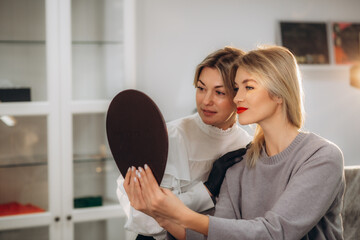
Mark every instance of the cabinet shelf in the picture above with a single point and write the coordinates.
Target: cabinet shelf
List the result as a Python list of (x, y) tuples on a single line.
[(96, 213), (97, 42), (42, 161), (20, 161), (92, 159), (31, 164), (89, 106), (39, 42), (24, 108), (25, 220)]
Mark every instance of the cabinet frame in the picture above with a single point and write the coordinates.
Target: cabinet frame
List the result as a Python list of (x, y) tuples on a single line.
[(59, 109)]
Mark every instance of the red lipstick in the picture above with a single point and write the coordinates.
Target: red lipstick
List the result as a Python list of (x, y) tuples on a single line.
[(241, 110)]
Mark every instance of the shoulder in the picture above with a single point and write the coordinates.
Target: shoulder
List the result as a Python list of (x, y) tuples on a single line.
[(182, 123), (318, 150), (181, 130), (322, 146), (235, 172)]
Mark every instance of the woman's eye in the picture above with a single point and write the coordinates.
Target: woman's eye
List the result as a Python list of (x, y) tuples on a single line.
[(249, 88), (236, 89), (220, 93), (200, 88)]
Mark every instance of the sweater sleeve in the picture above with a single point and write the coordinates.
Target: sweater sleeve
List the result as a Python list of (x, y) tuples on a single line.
[(313, 190), (224, 209)]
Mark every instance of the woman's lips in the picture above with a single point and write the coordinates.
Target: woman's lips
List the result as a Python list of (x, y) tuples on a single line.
[(208, 112), (241, 110)]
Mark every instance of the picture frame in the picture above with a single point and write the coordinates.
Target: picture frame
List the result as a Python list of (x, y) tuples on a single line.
[(308, 41), (346, 42)]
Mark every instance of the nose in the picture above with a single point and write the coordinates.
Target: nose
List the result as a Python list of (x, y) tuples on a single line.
[(239, 97), (208, 99)]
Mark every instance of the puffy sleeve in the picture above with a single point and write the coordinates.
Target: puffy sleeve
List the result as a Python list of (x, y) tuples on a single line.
[(197, 198), (192, 193), (137, 221)]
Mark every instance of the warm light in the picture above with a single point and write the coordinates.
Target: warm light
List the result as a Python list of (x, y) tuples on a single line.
[(355, 75), (8, 120)]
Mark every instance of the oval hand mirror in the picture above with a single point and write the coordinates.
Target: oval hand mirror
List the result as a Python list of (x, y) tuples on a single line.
[(137, 133)]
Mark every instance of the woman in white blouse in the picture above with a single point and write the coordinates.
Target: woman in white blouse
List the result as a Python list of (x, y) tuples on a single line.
[(195, 142)]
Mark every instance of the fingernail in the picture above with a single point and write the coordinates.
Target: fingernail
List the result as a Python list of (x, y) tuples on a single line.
[(132, 168), (146, 166), (134, 179), (128, 169), (140, 169), (138, 174)]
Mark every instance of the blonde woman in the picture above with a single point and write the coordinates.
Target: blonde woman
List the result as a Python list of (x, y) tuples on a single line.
[(291, 185)]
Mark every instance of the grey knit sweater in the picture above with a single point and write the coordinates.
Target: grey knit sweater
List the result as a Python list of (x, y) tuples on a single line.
[(296, 194)]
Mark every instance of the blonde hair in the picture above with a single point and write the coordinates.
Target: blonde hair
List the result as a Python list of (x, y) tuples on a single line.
[(279, 73), (222, 60)]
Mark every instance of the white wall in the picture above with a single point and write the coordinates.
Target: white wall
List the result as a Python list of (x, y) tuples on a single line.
[(174, 36)]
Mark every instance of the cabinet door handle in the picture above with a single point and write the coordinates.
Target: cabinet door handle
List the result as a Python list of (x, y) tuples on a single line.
[(57, 218), (68, 217)]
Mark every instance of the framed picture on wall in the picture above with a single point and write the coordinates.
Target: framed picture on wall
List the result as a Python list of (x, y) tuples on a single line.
[(308, 41), (346, 39)]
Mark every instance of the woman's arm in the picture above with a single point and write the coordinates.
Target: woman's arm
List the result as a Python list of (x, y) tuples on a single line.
[(163, 203), (131, 184)]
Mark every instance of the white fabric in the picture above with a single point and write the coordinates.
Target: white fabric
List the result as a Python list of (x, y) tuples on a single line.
[(193, 147)]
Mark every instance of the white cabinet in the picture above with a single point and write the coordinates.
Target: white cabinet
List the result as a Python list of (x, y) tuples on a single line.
[(57, 176)]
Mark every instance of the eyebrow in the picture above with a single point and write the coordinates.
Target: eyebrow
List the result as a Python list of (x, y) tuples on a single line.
[(219, 86), (249, 80)]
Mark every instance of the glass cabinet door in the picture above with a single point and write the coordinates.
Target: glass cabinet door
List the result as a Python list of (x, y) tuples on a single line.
[(22, 51), (97, 48), (23, 139), (23, 165), (95, 171)]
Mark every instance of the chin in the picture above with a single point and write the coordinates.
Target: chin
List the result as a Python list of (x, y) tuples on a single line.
[(244, 121), (207, 121)]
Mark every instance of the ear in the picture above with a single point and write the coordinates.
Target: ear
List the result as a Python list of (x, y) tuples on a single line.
[(278, 100)]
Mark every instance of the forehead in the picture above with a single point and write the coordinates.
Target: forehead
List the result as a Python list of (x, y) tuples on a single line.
[(243, 76), (210, 76)]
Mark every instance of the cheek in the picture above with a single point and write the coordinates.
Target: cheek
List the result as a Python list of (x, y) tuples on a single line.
[(227, 105), (198, 98), (266, 106)]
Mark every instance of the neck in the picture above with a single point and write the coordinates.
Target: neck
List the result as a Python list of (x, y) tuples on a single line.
[(278, 135)]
